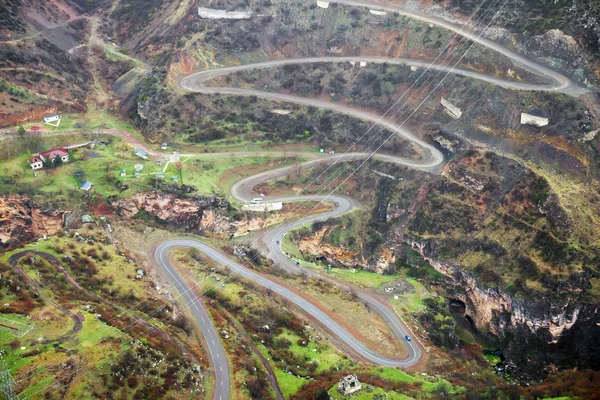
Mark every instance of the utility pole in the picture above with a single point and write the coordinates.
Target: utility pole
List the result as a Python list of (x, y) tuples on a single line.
[(7, 384)]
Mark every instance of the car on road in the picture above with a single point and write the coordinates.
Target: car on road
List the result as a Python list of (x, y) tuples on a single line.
[(408, 338)]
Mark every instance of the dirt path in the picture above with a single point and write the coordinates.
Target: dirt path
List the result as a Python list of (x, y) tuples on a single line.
[(77, 319), (270, 372), (137, 321)]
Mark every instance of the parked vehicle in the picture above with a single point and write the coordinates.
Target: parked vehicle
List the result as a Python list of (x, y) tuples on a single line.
[(257, 200)]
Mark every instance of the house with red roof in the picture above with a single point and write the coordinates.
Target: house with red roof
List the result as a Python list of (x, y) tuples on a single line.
[(37, 161)]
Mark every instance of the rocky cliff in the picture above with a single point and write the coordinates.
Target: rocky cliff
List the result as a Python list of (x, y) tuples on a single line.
[(196, 213), (536, 335), (22, 222)]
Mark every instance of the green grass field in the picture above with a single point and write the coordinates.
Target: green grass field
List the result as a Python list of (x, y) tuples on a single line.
[(217, 174), (102, 169), (93, 119), (288, 383), (364, 395)]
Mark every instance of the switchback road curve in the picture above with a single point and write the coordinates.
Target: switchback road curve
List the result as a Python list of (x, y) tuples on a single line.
[(558, 82), (431, 159), (216, 352)]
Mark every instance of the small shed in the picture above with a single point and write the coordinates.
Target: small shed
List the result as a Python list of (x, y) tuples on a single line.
[(87, 185), (164, 146), (123, 172), (175, 178), (52, 119), (140, 153), (160, 175)]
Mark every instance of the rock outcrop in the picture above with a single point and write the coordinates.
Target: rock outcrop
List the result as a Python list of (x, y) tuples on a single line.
[(189, 214), (315, 246), (21, 222), (558, 50), (197, 213), (558, 326)]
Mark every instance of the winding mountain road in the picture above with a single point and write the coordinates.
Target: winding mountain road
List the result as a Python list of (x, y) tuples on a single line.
[(430, 159), (559, 83)]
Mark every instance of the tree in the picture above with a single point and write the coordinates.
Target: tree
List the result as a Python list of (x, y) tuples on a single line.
[(21, 132), (58, 160), (47, 163)]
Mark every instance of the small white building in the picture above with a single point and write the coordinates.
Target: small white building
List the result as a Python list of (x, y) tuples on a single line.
[(36, 163), (140, 153), (52, 119), (377, 12), (211, 13), (164, 146), (451, 109), (87, 185), (528, 119)]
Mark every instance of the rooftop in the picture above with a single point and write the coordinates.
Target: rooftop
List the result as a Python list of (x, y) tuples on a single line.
[(52, 153)]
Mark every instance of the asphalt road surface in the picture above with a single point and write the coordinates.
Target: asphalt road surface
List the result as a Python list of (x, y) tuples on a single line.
[(216, 352), (431, 159), (558, 82), (563, 84)]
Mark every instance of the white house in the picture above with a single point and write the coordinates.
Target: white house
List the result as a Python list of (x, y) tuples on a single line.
[(37, 162), (52, 119)]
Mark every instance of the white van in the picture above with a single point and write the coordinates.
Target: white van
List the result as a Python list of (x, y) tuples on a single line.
[(257, 200)]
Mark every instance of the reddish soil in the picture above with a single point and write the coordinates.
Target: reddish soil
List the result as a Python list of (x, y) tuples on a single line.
[(102, 210), (34, 113)]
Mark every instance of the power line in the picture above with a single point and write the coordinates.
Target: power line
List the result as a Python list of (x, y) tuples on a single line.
[(197, 299), (7, 383)]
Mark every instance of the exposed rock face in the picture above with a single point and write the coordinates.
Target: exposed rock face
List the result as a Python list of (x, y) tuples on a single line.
[(315, 245), (385, 262), (558, 50), (197, 214), (33, 113), (557, 327), (20, 222), (189, 214)]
